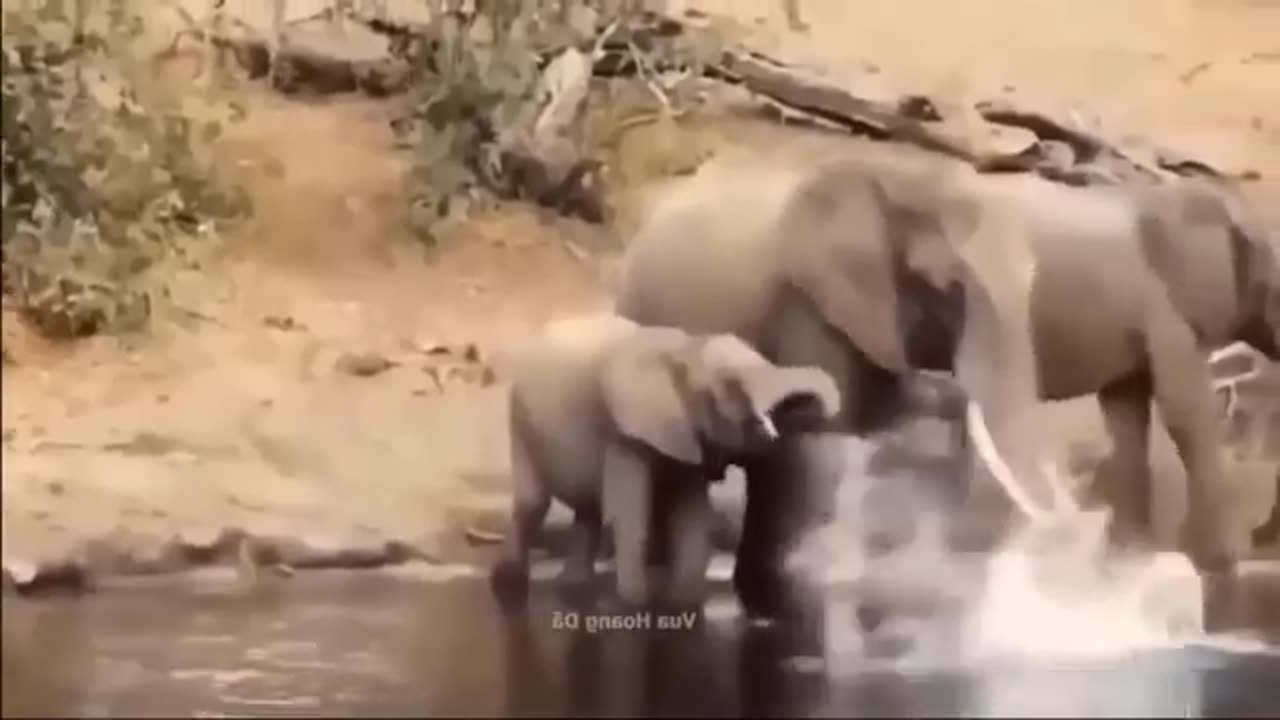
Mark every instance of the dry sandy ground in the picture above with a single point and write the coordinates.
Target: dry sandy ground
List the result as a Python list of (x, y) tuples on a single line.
[(226, 415)]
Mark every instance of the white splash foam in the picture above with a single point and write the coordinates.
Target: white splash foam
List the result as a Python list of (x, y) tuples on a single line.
[(1068, 599), (1053, 591)]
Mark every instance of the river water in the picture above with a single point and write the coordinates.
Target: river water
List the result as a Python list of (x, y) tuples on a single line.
[(385, 644)]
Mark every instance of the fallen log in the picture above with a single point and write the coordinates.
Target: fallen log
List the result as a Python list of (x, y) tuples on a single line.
[(1059, 151), (543, 161), (879, 120), (1089, 148), (544, 164)]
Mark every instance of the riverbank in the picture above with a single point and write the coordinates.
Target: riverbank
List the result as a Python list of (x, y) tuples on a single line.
[(328, 387)]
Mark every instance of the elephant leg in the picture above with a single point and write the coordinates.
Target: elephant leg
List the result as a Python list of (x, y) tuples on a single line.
[(777, 503), (789, 494), (689, 530), (580, 561), (628, 508), (1124, 478), (1183, 393), (1269, 531), (757, 568), (927, 395), (531, 500)]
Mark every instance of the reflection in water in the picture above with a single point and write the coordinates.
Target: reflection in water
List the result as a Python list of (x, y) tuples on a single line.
[(53, 634), (371, 644)]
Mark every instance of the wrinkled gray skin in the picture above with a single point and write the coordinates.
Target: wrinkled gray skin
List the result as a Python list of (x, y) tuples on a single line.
[(1135, 288), (870, 271), (628, 425)]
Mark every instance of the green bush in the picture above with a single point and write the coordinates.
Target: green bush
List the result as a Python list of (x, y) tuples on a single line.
[(104, 176), (483, 72)]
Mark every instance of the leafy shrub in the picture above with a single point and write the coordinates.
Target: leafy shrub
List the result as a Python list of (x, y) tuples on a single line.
[(484, 78), (103, 175)]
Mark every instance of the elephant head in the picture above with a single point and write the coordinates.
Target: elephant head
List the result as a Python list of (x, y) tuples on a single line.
[(743, 401), (710, 392), (881, 257)]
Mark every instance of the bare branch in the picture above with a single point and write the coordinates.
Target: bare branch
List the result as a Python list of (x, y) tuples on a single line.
[(597, 52), (650, 80)]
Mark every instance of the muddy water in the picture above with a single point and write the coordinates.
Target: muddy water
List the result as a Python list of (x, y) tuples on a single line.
[(373, 644)]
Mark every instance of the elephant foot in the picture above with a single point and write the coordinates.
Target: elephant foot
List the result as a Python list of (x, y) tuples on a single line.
[(577, 575), (1210, 552), (636, 593), (635, 605), (682, 603), (1226, 602), (577, 589), (509, 581), (776, 597), (759, 595), (671, 606)]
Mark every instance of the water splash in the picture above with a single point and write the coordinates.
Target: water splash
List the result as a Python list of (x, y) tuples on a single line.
[(1052, 591), (1056, 592)]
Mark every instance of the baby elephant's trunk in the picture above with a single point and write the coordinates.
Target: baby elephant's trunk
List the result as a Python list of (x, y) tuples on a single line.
[(792, 399)]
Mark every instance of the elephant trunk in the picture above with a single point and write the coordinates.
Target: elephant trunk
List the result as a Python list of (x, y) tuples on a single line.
[(773, 388)]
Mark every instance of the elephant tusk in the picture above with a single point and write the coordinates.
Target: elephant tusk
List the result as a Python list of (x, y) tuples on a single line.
[(986, 448), (770, 430)]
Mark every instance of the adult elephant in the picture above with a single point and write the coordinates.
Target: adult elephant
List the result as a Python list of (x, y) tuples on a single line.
[(1024, 288)]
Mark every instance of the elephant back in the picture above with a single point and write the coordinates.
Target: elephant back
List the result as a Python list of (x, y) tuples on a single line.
[(704, 258)]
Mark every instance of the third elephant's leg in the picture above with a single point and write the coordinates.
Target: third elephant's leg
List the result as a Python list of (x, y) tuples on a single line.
[(1183, 393), (1124, 480)]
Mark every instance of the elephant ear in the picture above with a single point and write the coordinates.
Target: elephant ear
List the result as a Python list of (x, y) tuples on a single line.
[(932, 216), (864, 229), (771, 388), (845, 266), (642, 395)]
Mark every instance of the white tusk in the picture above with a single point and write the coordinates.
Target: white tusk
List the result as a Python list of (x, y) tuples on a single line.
[(770, 429), (987, 451)]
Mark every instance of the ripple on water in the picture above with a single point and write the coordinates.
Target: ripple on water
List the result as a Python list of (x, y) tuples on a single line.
[(416, 648)]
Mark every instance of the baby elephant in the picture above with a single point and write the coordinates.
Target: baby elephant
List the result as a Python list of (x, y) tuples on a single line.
[(627, 425)]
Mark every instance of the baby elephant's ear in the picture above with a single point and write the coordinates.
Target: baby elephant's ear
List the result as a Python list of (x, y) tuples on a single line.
[(641, 395), (771, 387)]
